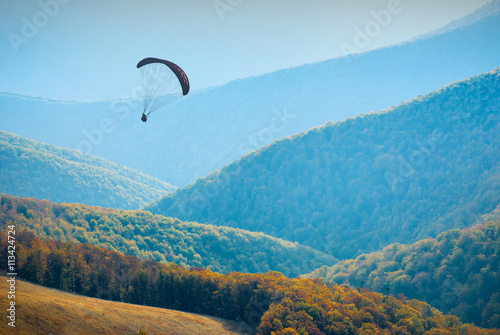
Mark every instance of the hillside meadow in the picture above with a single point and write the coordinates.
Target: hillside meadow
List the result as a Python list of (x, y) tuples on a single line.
[(41, 310)]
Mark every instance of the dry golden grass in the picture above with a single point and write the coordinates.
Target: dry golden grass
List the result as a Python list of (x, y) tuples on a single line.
[(41, 310)]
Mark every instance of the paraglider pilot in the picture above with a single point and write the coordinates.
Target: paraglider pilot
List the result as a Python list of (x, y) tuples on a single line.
[(144, 118)]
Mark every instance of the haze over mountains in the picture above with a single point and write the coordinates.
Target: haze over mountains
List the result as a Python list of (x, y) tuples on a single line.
[(32, 169), (384, 201), (350, 187), (213, 127)]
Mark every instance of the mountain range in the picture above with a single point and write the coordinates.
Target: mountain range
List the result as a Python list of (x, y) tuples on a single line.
[(210, 128), (300, 209), (355, 186)]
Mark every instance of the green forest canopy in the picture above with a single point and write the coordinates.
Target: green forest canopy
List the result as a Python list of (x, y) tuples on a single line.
[(155, 237), (355, 186)]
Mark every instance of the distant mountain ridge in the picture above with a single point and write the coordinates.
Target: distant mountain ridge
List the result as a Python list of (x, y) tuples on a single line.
[(32, 169), (210, 128), (490, 9), (351, 187)]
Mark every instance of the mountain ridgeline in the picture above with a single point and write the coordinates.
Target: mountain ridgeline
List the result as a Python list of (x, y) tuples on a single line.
[(351, 187), (457, 272), (32, 169), (148, 236), (213, 127)]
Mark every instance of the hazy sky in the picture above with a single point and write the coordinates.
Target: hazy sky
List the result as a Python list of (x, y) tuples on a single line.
[(87, 49)]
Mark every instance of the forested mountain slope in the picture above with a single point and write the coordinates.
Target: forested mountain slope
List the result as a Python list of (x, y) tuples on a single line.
[(270, 302), (33, 169), (350, 187), (210, 128), (458, 272), (148, 236)]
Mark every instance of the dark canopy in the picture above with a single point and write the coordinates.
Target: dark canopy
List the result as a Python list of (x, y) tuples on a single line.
[(181, 75)]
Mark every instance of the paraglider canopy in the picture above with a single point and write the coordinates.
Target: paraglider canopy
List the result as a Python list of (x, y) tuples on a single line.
[(163, 82)]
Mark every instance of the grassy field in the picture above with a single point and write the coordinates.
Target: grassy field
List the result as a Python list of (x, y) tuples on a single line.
[(41, 310)]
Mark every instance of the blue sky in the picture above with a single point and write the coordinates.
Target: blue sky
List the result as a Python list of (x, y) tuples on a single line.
[(87, 50)]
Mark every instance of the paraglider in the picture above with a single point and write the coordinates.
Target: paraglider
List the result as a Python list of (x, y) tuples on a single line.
[(163, 82)]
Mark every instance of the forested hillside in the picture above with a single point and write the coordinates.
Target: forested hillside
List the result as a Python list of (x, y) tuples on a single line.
[(458, 272), (148, 236), (351, 187), (213, 127), (272, 303), (33, 169)]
